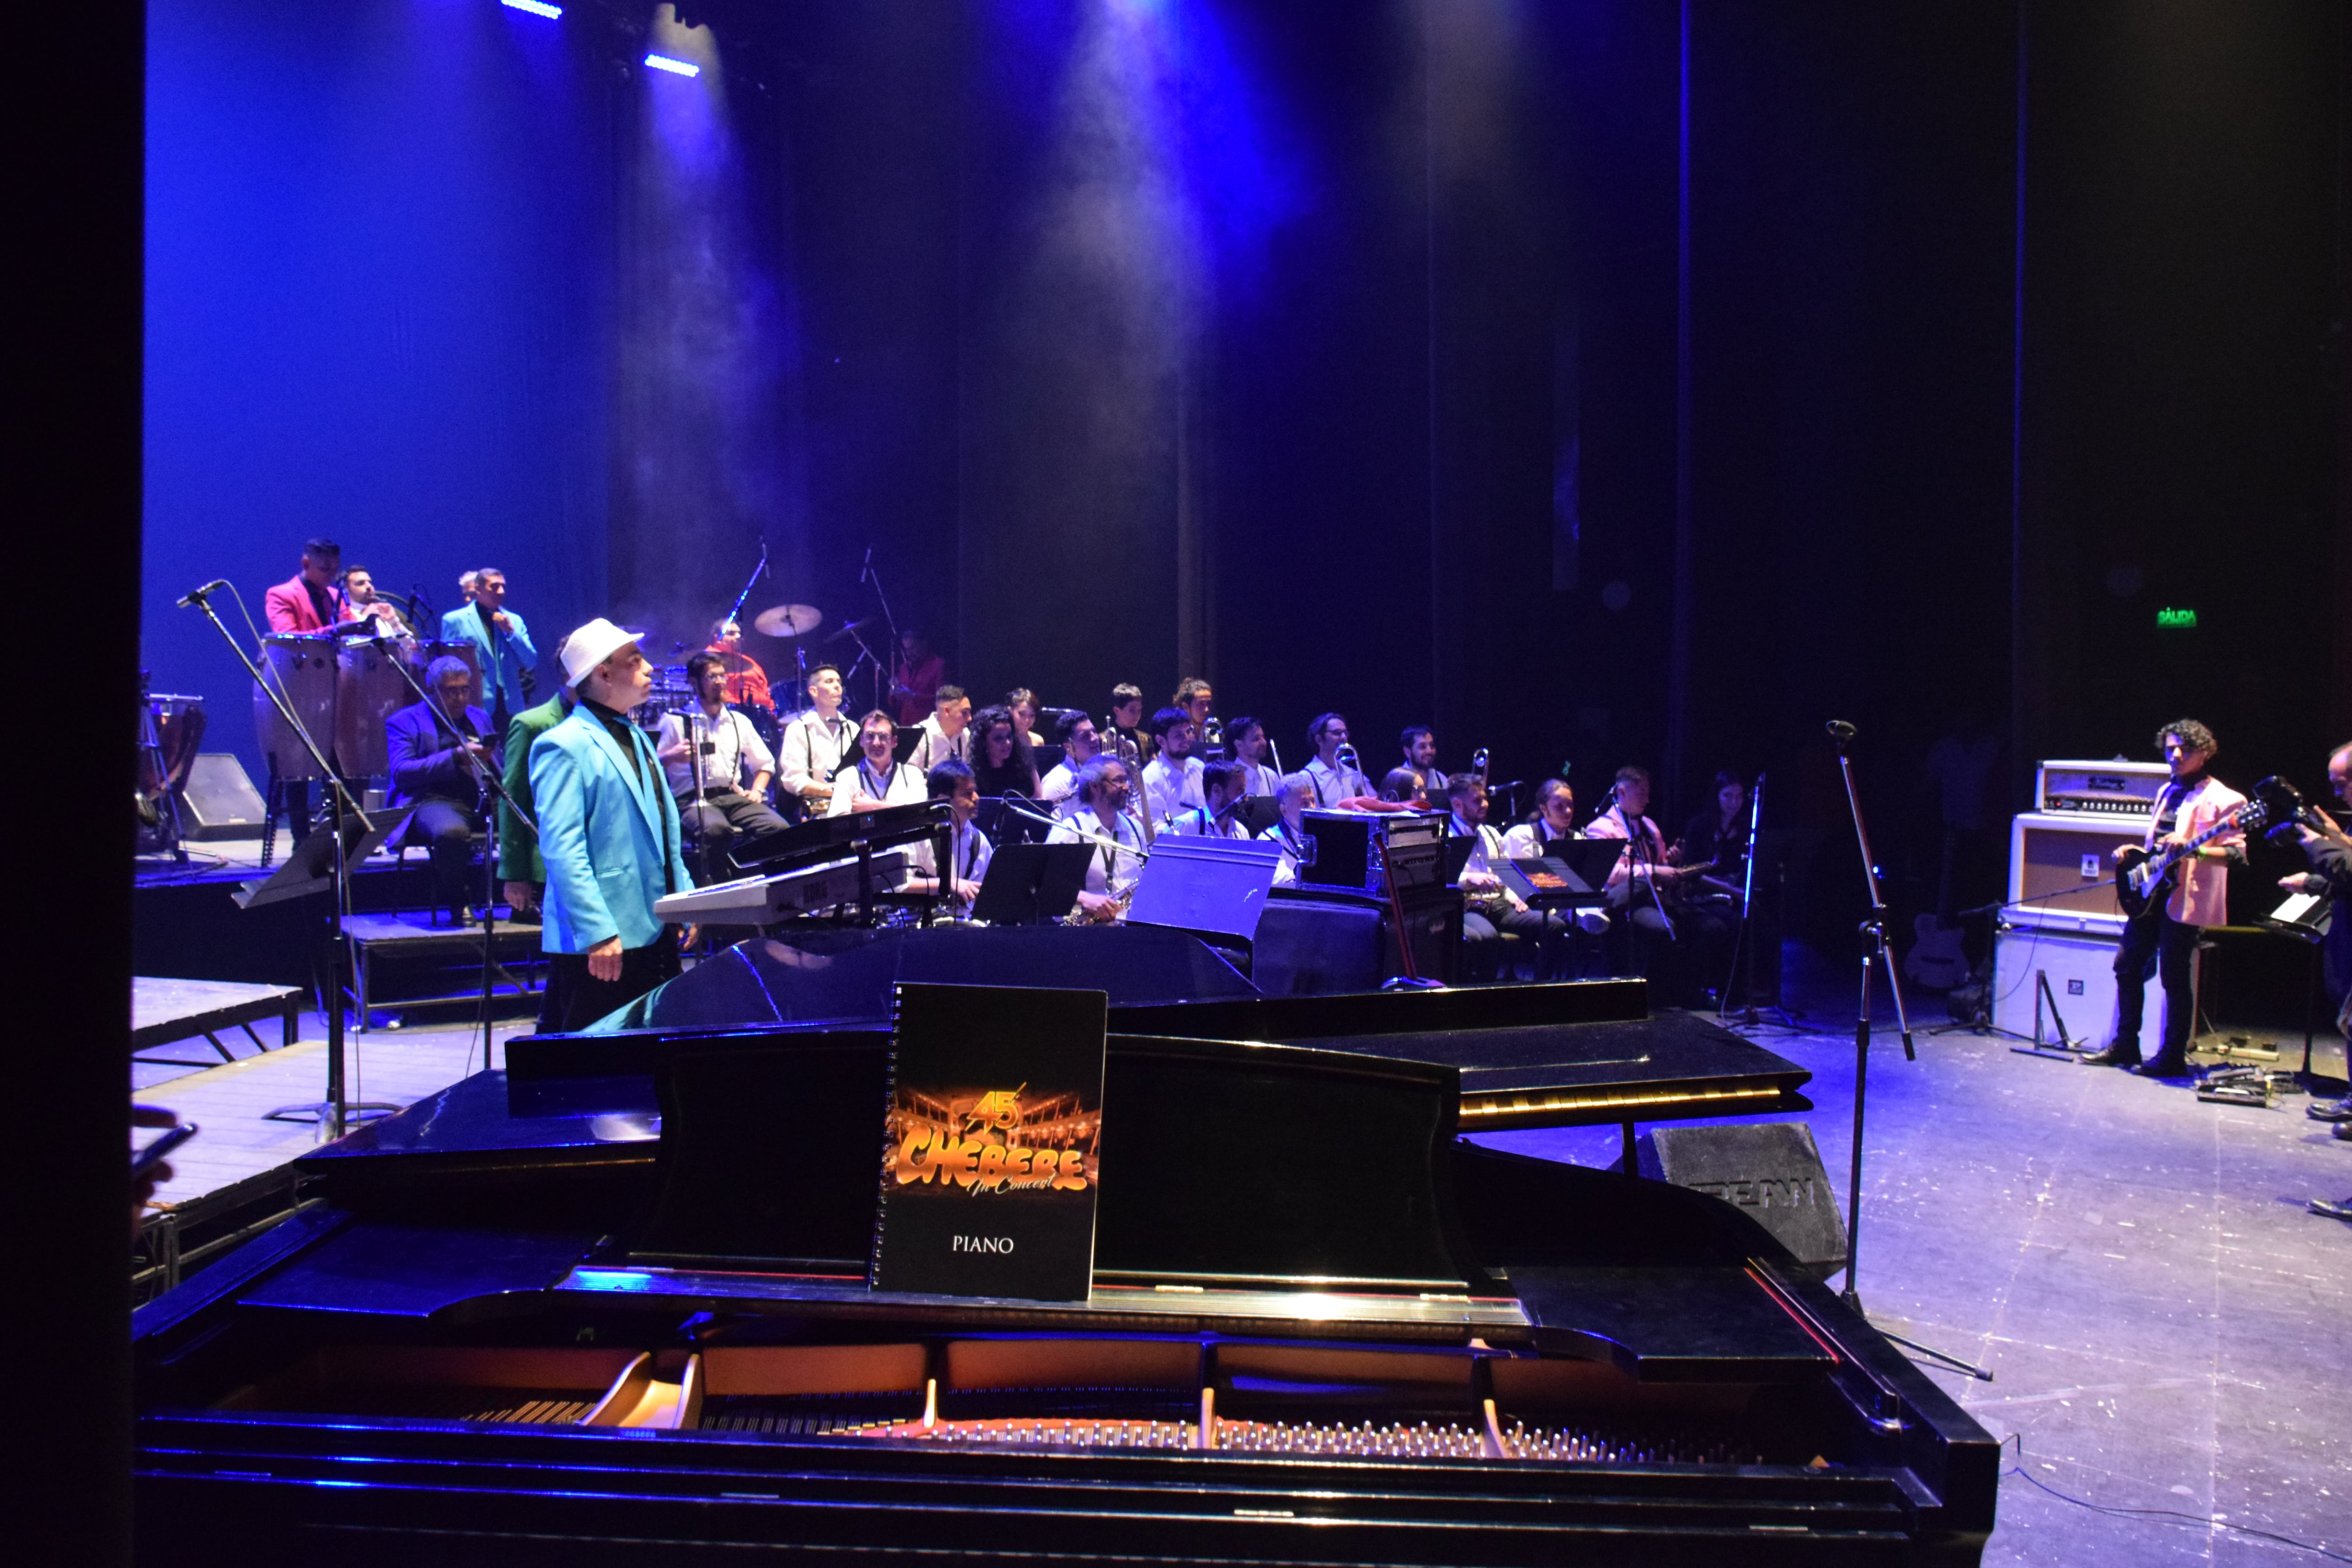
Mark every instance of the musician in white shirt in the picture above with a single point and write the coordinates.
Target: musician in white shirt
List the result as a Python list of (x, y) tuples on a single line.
[(876, 781), (1493, 909), (1420, 756), (714, 803), (946, 734), (1247, 737), (1171, 779), (1111, 869), (817, 742), (1221, 785), (1334, 780), (1554, 819), (952, 782), (1293, 795), (1081, 743)]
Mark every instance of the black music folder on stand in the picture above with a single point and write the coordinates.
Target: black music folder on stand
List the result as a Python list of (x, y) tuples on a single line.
[(1032, 884), (310, 868), (1570, 871), (989, 1147)]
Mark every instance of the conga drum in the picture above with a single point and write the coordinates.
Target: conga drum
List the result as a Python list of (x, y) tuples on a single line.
[(300, 666), (370, 689)]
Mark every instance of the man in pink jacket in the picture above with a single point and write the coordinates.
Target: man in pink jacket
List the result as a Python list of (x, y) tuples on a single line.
[(2165, 938)]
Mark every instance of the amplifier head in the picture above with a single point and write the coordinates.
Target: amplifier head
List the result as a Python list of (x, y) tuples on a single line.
[(2101, 789)]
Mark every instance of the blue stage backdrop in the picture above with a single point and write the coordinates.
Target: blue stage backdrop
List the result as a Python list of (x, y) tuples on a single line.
[(379, 308)]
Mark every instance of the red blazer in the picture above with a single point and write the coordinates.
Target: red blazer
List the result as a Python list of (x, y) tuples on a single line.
[(287, 607)]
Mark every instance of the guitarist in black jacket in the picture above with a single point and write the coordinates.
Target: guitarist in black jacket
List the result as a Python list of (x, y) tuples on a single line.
[(2193, 896)]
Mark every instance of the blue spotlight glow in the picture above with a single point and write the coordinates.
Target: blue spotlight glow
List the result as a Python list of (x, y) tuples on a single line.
[(536, 8), (675, 67)]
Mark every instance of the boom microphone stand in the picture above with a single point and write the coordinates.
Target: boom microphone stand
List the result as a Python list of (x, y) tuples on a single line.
[(490, 850), (331, 1112)]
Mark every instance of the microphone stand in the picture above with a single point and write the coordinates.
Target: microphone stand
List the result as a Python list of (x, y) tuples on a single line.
[(490, 850), (735, 611), (1874, 948), (1746, 953), (332, 1113), (866, 574)]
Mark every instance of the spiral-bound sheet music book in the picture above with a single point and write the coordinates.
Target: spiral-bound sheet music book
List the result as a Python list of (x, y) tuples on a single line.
[(990, 1161)]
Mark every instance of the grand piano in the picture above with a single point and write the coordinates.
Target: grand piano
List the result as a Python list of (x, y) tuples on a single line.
[(609, 1303)]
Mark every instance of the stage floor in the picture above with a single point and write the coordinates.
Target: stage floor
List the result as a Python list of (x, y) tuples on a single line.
[(2165, 1322)]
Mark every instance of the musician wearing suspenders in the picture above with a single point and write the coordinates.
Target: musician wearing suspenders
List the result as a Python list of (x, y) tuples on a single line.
[(817, 744), (1293, 794), (1334, 780), (876, 781), (952, 782), (705, 756), (1223, 787), (2165, 938), (1081, 743), (1103, 786)]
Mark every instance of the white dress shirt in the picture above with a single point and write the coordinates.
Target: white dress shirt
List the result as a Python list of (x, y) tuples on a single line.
[(1109, 871), (1059, 788), (722, 770), (1286, 875), (1201, 823), (972, 852), (814, 750), (1171, 785), (902, 786), (1527, 841), (1487, 850), (933, 746), (1336, 784), (1259, 779)]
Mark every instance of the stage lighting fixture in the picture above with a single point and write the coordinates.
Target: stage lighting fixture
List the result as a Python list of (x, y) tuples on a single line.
[(536, 8), (675, 67)]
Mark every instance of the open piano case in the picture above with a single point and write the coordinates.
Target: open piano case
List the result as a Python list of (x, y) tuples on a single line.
[(611, 1302)]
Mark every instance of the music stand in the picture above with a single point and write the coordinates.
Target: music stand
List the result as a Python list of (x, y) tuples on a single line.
[(1258, 813), (1032, 884), (310, 869), (1458, 848), (1205, 886)]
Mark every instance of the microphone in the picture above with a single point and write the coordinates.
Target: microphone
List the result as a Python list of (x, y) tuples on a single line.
[(196, 596), (1840, 732)]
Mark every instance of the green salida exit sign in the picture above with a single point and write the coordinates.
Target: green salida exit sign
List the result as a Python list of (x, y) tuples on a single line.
[(2181, 619)]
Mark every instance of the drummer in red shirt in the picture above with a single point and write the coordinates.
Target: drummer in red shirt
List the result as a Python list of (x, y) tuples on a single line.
[(308, 601), (746, 682)]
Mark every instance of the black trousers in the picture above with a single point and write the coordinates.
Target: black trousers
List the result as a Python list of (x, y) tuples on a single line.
[(2162, 945), (446, 830), (716, 821), (575, 998)]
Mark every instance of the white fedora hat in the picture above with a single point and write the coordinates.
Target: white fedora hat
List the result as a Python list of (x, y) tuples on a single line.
[(591, 646)]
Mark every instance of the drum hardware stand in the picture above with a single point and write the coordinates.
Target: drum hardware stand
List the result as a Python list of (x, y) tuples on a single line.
[(332, 1112), (898, 648), (1745, 952), (490, 850)]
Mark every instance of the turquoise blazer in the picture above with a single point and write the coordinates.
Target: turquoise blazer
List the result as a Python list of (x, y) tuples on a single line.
[(503, 658), (609, 837)]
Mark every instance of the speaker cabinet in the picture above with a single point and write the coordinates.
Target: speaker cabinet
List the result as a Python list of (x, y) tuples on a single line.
[(220, 801)]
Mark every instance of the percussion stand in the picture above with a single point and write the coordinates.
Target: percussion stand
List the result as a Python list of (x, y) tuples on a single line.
[(332, 1111), (497, 786)]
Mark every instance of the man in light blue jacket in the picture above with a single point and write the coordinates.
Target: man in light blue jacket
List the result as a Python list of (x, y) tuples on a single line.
[(502, 645), (608, 831)]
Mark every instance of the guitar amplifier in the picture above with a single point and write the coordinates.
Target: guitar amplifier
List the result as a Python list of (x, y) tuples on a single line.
[(2124, 790), (2062, 871)]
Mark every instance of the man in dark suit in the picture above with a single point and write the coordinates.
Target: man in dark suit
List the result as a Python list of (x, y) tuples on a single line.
[(437, 759)]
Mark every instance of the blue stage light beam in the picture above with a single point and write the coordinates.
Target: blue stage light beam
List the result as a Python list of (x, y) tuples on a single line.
[(536, 8), (675, 67)]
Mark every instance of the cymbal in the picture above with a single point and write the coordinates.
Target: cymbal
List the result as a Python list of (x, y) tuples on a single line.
[(788, 620)]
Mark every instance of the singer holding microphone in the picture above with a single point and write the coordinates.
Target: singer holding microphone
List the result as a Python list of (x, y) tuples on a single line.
[(501, 643), (704, 758)]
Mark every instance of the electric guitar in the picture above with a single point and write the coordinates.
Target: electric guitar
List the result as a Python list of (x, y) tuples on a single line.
[(2145, 882)]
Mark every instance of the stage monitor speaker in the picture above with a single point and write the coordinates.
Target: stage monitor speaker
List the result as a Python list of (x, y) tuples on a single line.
[(2082, 969), (220, 801), (1771, 1171)]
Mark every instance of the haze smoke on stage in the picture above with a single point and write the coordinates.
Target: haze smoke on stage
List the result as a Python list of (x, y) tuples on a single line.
[(710, 460)]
